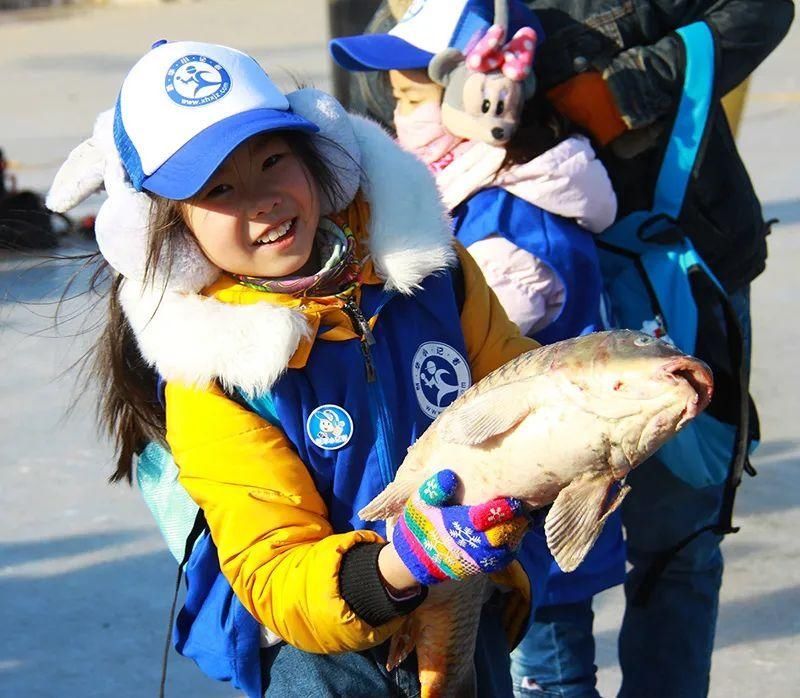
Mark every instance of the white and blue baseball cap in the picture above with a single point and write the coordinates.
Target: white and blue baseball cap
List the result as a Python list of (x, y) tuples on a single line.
[(185, 106), (427, 27)]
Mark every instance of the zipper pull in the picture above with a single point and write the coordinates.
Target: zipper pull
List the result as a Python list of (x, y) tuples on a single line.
[(362, 329), (360, 322), (368, 365)]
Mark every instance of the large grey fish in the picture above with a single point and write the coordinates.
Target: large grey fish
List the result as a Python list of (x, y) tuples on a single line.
[(558, 425)]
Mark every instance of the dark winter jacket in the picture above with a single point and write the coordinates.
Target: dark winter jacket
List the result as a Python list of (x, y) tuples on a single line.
[(632, 43)]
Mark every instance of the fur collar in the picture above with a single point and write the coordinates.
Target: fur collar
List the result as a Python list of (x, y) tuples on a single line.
[(193, 339)]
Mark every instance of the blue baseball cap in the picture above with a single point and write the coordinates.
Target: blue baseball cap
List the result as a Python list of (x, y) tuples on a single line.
[(428, 27), (185, 106)]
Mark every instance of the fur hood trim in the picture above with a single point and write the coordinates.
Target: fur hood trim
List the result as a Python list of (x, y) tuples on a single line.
[(410, 229), (194, 339)]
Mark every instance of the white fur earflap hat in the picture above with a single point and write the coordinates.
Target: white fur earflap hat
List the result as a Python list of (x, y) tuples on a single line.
[(187, 337), (183, 108)]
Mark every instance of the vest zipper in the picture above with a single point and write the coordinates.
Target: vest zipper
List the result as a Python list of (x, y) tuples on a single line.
[(366, 338), (383, 423)]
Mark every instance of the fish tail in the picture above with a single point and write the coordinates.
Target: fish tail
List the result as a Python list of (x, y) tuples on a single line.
[(402, 643), (441, 649), (430, 635)]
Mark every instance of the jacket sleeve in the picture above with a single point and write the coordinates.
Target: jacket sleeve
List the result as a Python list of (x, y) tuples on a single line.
[(276, 546), (646, 80), (528, 289), (491, 338)]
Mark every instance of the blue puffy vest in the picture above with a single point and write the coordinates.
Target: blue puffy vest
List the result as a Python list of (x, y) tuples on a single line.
[(562, 244)]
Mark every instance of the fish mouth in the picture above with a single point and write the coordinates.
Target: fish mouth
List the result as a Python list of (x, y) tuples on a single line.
[(699, 377)]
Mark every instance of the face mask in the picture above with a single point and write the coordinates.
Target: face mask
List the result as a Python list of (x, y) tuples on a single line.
[(421, 132)]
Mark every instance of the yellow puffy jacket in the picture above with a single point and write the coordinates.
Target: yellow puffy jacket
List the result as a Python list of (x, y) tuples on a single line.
[(276, 546)]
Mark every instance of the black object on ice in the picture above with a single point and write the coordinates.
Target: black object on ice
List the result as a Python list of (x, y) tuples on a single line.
[(25, 222)]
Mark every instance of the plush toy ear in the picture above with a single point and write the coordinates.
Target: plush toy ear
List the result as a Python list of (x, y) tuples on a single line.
[(78, 178), (443, 64)]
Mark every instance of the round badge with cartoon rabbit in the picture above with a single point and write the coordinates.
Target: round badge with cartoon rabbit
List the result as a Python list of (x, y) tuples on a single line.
[(330, 427)]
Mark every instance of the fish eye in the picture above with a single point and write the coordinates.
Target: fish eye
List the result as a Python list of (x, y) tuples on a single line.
[(643, 341)]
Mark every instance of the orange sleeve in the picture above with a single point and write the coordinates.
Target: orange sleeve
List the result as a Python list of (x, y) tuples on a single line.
[(586, 100), (276, 546)]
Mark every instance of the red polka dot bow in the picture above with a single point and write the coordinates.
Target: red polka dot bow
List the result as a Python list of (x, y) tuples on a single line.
[(515, 59)]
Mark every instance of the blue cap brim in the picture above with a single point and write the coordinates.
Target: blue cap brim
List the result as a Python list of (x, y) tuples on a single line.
[(378, 52), (185, 173)]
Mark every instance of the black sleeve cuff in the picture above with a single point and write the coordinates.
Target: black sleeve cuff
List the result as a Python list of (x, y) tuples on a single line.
[(362, 588)]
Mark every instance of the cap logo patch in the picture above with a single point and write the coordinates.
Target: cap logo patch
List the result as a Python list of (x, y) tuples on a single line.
[(193, 81)]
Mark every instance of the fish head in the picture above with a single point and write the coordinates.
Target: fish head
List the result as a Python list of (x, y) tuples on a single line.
[(643, 388)]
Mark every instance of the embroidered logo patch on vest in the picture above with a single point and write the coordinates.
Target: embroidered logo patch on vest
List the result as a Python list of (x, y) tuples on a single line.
[(196, 80), (330, 427), (440, 375)]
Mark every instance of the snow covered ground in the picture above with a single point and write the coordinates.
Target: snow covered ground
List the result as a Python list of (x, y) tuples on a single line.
[(85, 580)]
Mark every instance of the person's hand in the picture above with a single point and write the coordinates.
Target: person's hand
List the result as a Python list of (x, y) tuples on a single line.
[(437, 541), (586, 100)]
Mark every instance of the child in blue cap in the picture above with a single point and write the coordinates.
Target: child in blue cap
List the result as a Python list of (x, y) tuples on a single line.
[(524, 209), (280, 271)]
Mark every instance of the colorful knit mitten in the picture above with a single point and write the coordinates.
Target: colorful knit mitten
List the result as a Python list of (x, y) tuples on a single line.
[(437, 541)]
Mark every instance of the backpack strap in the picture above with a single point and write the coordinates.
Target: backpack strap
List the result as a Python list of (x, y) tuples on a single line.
[(200, 526), (638, 230), (691, 121), (740, 460)]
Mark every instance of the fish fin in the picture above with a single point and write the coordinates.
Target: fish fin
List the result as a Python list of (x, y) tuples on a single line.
[(489, 414), (402, 644), (577, 516), (390, 502)]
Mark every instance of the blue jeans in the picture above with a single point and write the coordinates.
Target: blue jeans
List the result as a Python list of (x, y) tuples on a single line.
[(665, 646), (556, 657), (292, 673)]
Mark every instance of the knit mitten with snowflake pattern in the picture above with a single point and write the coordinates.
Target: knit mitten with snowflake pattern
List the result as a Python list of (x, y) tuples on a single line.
[(437, 541)]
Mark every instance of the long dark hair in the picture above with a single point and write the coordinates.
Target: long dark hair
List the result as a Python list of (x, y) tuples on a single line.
[(541, 128), (129, 409)]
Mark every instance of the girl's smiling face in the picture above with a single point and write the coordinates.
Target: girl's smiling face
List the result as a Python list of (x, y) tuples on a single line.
[(259, 212)]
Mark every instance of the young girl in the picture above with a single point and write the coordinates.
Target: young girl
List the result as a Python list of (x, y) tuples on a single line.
[(524, 211), (287, 275)]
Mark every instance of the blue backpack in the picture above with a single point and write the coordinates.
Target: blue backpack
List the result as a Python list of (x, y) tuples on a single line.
[(656, 281)]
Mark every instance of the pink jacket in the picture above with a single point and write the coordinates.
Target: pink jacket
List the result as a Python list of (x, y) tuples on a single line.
[(568, 180)]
